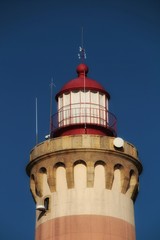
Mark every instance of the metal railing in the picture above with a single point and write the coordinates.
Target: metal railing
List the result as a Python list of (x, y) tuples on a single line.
[(71, 115)]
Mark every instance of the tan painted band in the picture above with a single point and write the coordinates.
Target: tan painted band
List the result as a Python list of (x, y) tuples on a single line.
[(86, 227)]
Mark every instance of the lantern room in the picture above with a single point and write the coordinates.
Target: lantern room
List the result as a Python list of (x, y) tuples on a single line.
[(83, 108)]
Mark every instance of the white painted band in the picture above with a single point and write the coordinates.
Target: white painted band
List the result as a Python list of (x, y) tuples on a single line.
[(88, 201)]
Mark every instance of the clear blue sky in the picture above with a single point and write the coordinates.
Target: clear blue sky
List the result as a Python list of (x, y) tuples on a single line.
[(40, 40)]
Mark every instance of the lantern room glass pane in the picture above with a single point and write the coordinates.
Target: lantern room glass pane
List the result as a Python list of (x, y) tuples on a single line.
[(85, 96), (94, 107), (60, 110), (94, 98), (66, 109), (75, 97), (60, 102), (85, 106), (75, 107), (102, 101), (66, 99)]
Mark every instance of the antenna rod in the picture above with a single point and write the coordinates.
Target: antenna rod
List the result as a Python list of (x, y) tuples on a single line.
[(82, 37), (51, 106), (36, 123), (51, 85), (85, 112)]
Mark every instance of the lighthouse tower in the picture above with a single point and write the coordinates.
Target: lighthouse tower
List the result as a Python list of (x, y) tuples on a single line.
[(84, 179)]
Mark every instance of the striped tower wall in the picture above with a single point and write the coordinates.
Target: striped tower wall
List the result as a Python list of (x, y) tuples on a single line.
[(90, 187)]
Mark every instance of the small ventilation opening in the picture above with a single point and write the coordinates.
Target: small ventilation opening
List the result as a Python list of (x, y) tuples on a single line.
[(46, 203)]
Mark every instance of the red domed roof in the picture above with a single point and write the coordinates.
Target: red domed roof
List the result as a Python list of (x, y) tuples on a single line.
[(80, 82)]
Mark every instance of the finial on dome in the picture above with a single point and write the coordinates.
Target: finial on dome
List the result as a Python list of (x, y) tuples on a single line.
[(82, 69)]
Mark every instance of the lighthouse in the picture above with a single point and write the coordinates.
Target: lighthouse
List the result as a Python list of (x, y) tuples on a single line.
[(84, 179)]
